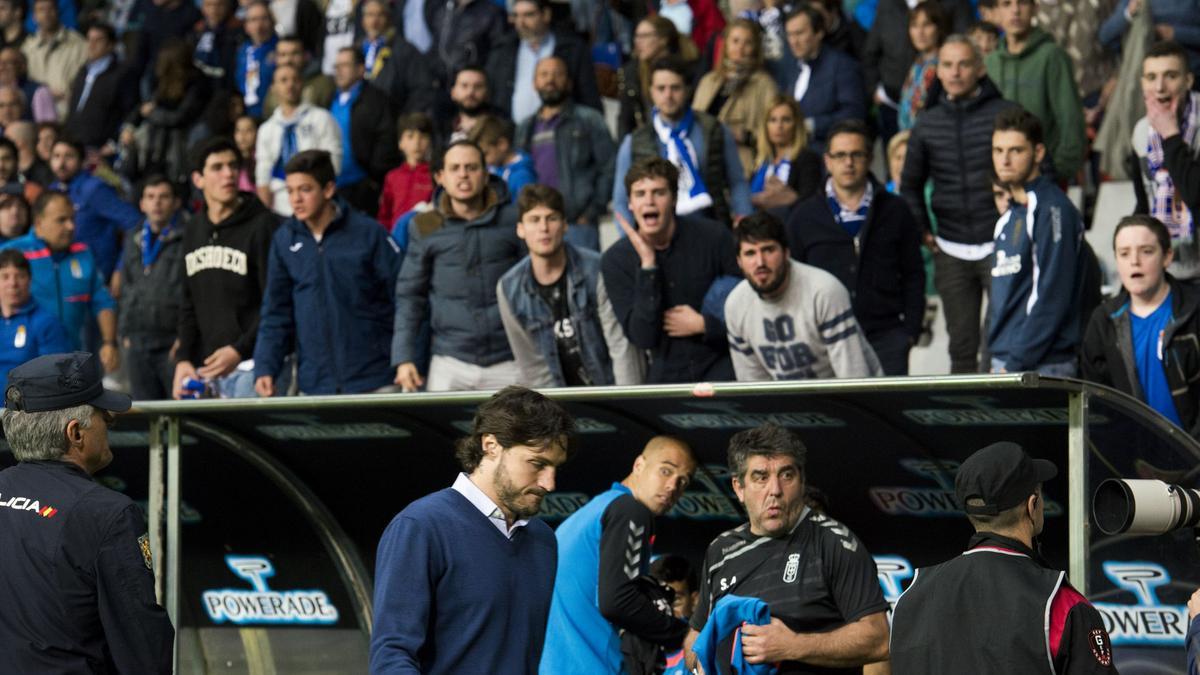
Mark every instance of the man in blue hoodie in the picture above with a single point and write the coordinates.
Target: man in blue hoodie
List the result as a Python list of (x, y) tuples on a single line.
[(27, 330), (65, 279), (1038, 271), (330, 278)]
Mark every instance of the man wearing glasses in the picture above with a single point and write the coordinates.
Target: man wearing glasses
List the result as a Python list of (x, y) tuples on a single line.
[(866, 237), (76, 574)]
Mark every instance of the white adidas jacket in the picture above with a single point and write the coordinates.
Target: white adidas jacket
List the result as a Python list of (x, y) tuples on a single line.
[(316, 130)]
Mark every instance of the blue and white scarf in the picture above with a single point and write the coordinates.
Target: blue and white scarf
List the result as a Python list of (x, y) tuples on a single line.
[(781, 170), (1165, 204), (851, 221), (693, 195)]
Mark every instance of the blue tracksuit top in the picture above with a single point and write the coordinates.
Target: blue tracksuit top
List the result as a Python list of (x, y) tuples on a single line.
[(334, 298), (67, 283), (100, 216), (1036, 280), (29, 333), (578, 638), (729, 614)]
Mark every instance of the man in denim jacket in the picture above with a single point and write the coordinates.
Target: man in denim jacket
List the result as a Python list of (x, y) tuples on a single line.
[(556, 313)]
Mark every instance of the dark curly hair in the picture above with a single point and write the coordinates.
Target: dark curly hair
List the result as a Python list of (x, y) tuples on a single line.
[(516, 416)]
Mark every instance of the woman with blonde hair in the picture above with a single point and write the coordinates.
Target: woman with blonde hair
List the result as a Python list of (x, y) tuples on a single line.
[(788, 171), (739, 90)]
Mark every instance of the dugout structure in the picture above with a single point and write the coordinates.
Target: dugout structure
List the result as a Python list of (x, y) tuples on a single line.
[(264, 515)]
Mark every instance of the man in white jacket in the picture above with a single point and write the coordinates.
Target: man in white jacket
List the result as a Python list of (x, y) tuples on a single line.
[(787, 320), (293, 127)]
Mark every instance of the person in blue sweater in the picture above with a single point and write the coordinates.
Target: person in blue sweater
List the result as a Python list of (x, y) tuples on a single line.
[(27, 331), (463, 576), (330, 281), (605, 548), (1037, 273), (65, 279), (100, 214)]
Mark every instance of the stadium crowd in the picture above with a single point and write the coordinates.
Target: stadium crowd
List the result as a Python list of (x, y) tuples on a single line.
[(353, 196)]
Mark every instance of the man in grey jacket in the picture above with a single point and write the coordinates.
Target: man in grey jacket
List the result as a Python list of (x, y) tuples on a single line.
[(456, 255), (560, 323)]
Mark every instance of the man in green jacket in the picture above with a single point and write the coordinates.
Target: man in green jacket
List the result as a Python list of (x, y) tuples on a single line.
[(1030, 69)]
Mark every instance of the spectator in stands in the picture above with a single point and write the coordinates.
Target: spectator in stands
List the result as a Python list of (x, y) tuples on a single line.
[(827, 83), (256, 57), (11, 180), (1041, 618), (301, 18), (788, 170), (888, 54), (469, 97), (470, 231), (55, 53), (39, 102), (701, 148), (47, 135), (556, 313), (1174, 21), (654, 38), (294, 127), (27, 330), (180, 94), (659, 275), (65, 279), (1033, 71), (867, 238), (984, 35), (409, 77), (12, 24), (1131, 337), (1167, 147), (368, 132), (440, 564), (225, 251), (245, 136), (410, 183), (951, 146), (739, 91), (844, 35), (676, 572), (838, 616), (572, 152), (504, 161), (102, 215), (465, 32), (30, 167), (317, 89), (341, 19), (162, 22), (12, 105), (216, 40), (926, 30), (897, 153), (15, 217), (604, 549), (377, 37), (151, 289), (788, 320), (329, 290), (1038, 273), (103, 92), (511, 63)]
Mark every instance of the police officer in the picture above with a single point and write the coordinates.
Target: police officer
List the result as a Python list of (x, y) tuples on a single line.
[(998, 608), (75, 573)]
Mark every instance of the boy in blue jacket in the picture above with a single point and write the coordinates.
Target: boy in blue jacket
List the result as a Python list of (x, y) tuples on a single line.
[(330, 282), (1037, 274)]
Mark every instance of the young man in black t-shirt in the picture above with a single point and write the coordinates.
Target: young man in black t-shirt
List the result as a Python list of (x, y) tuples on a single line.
[(817, 578), (560, 325)]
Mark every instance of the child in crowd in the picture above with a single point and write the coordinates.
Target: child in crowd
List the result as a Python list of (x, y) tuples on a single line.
[(409, 184), (495, 137), (245, 135), (984, 35)]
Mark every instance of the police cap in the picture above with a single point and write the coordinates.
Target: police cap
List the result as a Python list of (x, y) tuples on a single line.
[(57, 381)]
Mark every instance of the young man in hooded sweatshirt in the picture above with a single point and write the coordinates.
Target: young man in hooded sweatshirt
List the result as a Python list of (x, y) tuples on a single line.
[(224, 276)]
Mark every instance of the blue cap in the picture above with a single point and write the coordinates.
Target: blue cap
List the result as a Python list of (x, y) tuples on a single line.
[(58, 381)]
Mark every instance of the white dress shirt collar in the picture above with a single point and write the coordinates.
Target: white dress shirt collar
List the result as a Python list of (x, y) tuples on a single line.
[(464, 486)]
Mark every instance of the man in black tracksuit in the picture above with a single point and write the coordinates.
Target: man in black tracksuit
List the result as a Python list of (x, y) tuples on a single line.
[(998, 608), (225, 253), (951, 145)]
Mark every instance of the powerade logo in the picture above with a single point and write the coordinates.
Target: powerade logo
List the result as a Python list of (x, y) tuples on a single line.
[(263, 605), (729, 416), (583, 425), (704, 500), (980, 411), (1148, 622), (893, 571), (930, 502)]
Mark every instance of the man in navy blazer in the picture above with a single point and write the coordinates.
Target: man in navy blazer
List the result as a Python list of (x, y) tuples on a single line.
[(827, 83)]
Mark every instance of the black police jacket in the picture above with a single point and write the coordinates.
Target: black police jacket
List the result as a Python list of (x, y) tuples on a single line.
[(75, 577)]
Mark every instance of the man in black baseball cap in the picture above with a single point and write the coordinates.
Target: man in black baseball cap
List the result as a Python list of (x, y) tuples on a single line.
[(999, 591), (76, 571)]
